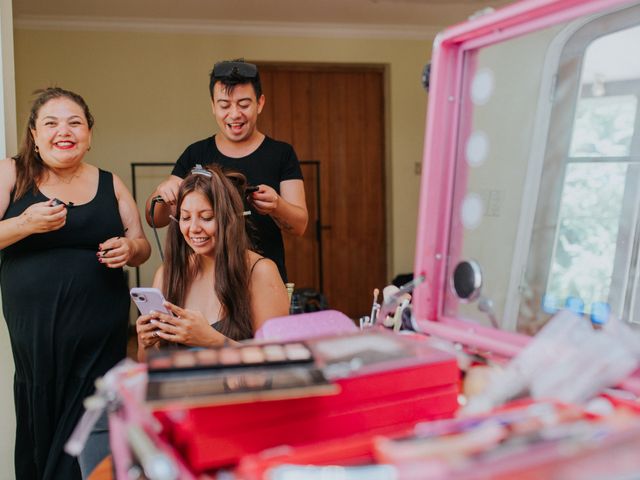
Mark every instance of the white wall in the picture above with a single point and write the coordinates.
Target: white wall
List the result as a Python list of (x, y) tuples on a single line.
[(7, 147)]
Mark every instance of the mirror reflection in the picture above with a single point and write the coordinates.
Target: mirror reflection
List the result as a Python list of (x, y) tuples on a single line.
[(547, 173), (467, 280), (467, 285)]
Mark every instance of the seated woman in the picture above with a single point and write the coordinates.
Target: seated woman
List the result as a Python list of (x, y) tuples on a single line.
[(225, 290)]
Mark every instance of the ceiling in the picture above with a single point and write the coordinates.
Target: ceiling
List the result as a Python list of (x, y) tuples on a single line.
[(414, 13)]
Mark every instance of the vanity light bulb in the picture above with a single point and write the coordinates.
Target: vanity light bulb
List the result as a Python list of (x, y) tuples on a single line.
[(472, 211), (477, 148), (482, 86)]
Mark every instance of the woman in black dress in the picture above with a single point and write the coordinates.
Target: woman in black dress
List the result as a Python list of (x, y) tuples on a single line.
[(67, 230)]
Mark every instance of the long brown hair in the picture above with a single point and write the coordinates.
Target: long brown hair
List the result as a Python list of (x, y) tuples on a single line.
[(224, 192), (29, 166)]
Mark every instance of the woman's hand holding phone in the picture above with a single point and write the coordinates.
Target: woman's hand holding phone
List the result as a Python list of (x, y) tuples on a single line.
[(162, 320), (147, 336), (150, 303), (188, 327)]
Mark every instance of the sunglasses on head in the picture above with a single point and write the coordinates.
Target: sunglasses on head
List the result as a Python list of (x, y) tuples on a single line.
[(238, 69)]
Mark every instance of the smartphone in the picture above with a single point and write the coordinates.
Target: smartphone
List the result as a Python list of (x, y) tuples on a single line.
[(148, 299)]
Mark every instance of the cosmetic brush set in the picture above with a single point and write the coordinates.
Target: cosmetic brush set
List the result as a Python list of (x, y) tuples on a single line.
[(395, 310)]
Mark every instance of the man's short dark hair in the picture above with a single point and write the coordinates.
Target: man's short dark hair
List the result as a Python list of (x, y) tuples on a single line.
[(235, 72)]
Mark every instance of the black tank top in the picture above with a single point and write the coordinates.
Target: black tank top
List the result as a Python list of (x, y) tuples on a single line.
[(67, 317)]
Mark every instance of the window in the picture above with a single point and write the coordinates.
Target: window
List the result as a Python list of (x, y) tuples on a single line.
[(587, 218)]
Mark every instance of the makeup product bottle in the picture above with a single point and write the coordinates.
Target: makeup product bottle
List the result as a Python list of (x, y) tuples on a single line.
[(290, 287), (295, 306)]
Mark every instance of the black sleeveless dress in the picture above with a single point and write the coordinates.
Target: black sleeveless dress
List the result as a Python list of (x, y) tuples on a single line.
[(67, 316)]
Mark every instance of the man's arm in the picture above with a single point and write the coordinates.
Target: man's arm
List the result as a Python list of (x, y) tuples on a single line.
[(291, 210), (288, 210), (168, 191)]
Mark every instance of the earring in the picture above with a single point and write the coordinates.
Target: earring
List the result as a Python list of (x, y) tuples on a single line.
[(36, 148), (89, 148)]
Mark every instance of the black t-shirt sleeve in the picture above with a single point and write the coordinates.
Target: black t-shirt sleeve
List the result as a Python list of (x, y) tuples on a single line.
[(185, 162), (290, 167), (194, 153)]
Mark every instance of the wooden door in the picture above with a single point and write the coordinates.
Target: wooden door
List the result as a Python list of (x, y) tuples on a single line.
[(334, 116)]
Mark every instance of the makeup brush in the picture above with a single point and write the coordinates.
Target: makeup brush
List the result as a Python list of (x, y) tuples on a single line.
[(375, 307), (387, 293), (389, 306), (397, 318)]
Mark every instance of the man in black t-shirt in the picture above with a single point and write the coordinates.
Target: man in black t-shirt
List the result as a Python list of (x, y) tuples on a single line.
[(279, 204)]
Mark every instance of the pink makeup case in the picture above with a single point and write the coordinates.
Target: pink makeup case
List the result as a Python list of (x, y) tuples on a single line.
[(306, 325)]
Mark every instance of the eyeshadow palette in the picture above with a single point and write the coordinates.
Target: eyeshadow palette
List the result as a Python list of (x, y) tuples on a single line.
[(229, 357), (237, 385), (371, 351)]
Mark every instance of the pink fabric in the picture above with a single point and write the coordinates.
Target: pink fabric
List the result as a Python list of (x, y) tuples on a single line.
[(306, 325)]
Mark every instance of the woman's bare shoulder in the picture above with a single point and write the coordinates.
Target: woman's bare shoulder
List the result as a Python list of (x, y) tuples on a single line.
[(252, 257), (259, 262), (7, 174), (263, 270), (8, 166), (118, 184)]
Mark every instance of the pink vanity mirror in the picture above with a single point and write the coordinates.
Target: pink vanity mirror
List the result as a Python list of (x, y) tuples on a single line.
[(531, 172)]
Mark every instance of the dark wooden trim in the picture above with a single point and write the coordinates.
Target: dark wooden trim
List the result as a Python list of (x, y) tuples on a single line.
[(323, 67)]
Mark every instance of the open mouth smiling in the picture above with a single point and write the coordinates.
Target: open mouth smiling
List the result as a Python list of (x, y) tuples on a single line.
[(64, 145)]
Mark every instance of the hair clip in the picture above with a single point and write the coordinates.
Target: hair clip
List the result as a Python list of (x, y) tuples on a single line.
[(198, 170)]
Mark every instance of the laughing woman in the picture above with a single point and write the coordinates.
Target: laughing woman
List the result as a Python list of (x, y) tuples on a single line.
[(219, 289), (67, 228)]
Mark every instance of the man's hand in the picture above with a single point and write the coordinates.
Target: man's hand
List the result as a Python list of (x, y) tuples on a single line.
[(168, 192), (168, 189), (265, 200), (288, 210)]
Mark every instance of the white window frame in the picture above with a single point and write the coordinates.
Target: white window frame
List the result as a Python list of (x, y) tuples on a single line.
[(577, 36)]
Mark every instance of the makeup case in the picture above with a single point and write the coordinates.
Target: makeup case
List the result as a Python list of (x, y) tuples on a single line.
[(383, 382)]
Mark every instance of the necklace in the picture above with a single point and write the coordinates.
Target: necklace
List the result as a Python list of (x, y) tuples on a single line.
[(66, 180)]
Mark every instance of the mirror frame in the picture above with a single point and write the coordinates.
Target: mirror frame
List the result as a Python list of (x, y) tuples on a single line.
[(444, 122)]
